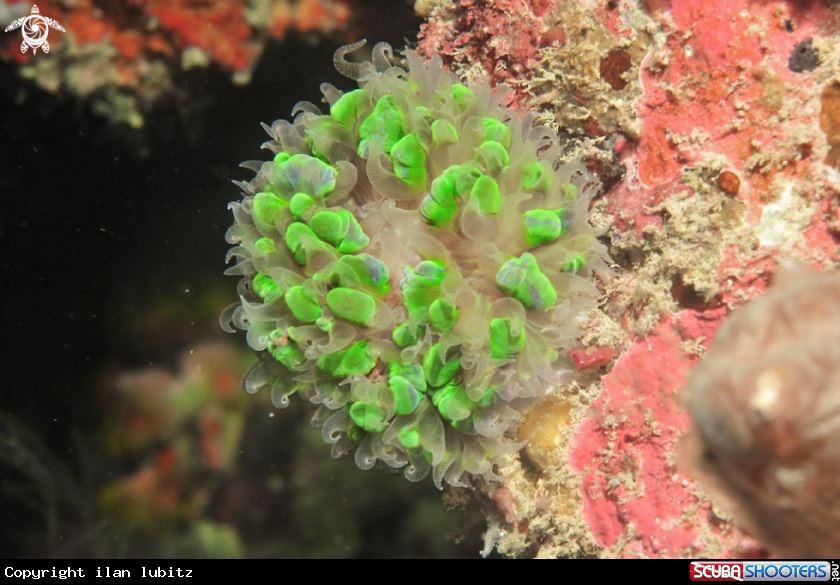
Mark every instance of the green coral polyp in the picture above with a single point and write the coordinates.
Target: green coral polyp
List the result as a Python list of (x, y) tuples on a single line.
[(404, 337), (413, 263), (351, 305), (575, 265), (462, 94), (486, 192), (420, 287), (284, 350), (522, 279), (348, 107), (303, 304), (497, 131), (443, 133), (440, 206), (507, 338), (340, 229), (354, 360), (536, 177), (359, 271), (543, 226), (493, 155), (409, 437), (442, 315), (299, 205), (409, 159), (266, 206), (438, 368), (384, 126), (408, 385), (456, 406), (303, 173), (369, 417), (265, 287)]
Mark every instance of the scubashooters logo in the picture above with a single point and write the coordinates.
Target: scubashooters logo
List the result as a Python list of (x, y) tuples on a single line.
[(761, 571), (35, 29)]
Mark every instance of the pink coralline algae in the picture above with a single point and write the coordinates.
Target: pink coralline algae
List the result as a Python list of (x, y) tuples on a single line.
[(501, 38), (725, 91), (635, 501), (592, 357), (730, 125)]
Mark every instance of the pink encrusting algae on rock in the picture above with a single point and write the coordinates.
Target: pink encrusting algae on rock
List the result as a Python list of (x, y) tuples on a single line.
[(496, 39), (731, 113), (635, 501)]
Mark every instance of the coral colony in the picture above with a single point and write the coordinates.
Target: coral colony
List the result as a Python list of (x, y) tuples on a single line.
[(413, 263)]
